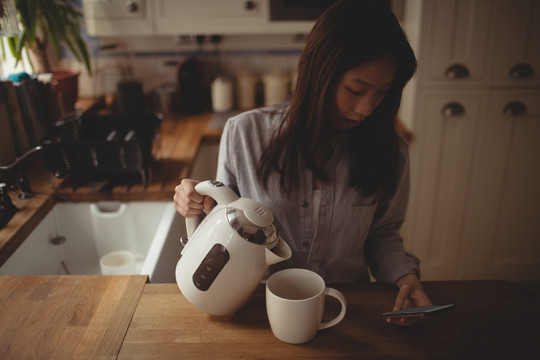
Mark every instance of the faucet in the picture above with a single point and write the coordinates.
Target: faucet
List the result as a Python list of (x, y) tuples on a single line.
[(7, 209), (61, 165)]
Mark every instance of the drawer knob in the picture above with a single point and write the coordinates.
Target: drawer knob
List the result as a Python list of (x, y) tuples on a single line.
[(132, 6), (457, 71), (521, 71), (453, 109), (514, 108)]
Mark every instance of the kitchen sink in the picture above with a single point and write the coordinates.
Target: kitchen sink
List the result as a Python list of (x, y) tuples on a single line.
[(72, 238)]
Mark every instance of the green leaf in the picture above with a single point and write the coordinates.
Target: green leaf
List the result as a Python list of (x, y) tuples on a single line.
[(59, 19)]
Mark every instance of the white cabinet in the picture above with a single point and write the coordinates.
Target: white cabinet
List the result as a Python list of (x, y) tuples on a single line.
[(504, 199), (176, 17), (516, 34), (442, 163), (208, 16), (475, 176), (117, 17), (480, 43), (454, 49)]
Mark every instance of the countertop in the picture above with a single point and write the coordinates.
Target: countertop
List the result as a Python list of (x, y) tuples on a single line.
[(66, 317), (124, 317)]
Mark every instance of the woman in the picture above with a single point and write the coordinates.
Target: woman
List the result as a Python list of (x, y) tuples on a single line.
[(330, 164)]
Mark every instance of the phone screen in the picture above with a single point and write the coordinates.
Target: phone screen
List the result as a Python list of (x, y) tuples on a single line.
[(418, 311)]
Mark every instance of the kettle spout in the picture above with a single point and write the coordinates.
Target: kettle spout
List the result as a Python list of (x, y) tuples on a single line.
[(278, 253)]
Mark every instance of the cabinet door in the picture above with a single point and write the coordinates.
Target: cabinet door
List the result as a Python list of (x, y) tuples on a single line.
[(516, 36), (118, 17), (504, 211), (208, 16), (441, 166), (454, 48)]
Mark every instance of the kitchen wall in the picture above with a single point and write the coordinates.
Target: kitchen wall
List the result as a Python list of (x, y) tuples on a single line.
[(155, 59)]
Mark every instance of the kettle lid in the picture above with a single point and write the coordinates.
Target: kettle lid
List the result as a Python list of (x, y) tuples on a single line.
[(254, 226)]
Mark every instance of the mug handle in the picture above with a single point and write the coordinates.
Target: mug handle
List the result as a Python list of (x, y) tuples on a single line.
[(338, 295)]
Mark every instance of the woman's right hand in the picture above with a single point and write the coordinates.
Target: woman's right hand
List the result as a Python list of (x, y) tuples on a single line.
[(189, 202)]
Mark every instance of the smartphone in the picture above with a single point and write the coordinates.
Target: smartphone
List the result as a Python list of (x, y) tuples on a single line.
[(418, 311)]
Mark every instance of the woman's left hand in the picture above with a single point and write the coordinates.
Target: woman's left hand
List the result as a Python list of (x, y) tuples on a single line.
[(410, 294)]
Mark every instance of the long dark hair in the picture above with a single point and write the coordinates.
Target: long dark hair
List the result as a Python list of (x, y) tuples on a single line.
[(349, 33)]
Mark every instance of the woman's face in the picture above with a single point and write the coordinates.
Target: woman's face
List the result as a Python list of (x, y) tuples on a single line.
[(360, 91)]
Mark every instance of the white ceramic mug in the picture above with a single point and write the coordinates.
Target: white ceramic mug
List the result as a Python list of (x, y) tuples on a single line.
[(120, 262), (295, 304)]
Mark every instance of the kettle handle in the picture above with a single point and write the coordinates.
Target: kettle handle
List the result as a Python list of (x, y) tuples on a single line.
[(191, 225), (218, 191)]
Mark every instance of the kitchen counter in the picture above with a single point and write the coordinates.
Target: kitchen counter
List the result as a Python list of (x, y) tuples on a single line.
[(66, 317), (125, 318), (181, 137)]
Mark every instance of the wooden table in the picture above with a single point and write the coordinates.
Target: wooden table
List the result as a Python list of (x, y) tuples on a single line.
[(492, 319), (72, 317)]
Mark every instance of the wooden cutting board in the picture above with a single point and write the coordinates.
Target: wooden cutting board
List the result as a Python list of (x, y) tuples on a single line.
[(66, 317)]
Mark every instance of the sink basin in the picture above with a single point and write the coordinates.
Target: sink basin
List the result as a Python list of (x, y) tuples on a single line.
[(73, 237)]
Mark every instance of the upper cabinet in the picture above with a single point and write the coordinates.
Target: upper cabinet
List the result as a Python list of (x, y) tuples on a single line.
[(516, 57), (456, 46), (119, 17), (481, 42), (208, 16), (175, 17)]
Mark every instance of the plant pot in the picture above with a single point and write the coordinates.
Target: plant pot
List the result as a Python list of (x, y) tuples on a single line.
[(65, 85)]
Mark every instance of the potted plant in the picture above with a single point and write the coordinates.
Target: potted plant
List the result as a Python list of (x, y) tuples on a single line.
[(46, 24)]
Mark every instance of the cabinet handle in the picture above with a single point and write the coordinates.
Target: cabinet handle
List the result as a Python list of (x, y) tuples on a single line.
[(457, 71), (453, 109), (132, 6), (250, 5), (521, 71), (514, 108)]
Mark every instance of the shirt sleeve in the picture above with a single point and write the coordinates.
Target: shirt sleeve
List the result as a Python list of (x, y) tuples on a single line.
[(226, 160), (384, 249)]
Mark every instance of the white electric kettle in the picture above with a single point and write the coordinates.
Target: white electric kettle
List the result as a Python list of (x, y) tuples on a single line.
[(228, 253)]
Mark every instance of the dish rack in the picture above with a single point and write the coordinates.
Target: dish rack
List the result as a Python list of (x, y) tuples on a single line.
[(105, 146)]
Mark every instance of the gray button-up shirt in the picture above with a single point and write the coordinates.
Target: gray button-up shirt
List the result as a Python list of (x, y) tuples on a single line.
[(354, 231)]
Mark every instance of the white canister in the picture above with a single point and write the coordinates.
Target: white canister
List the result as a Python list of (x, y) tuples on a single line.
[(222, 94), (276, 86), (294, 80), (246, 90)]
